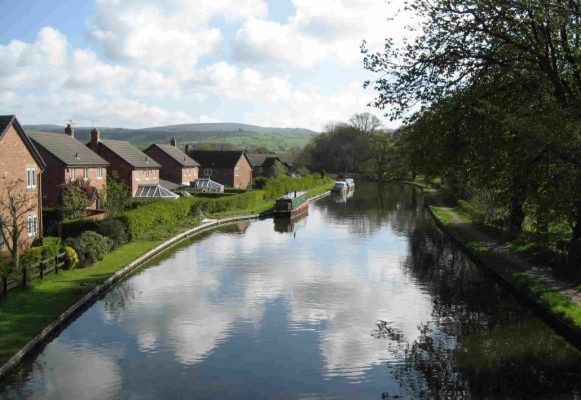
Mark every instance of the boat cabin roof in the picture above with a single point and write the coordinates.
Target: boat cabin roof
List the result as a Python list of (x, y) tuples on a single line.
[(294, 195)]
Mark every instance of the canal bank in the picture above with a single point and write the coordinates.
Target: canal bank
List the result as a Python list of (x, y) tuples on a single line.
[(53, 328), (558, 302)]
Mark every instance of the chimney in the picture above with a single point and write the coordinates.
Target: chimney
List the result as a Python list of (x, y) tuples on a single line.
[(188, 149), (69, 130), (173, 142), (95, 139)]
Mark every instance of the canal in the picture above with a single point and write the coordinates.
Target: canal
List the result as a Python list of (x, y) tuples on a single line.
[(362, 298)]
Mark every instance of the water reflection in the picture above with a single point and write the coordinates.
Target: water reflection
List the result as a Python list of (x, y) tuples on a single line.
[(244, 312), (291, 225)]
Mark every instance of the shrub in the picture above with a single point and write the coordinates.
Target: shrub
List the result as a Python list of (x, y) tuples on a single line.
[(74, 202), (141, 221), (113, 229), (71, 257), (260, 182), (31, 257), (50, 247), (75, 228), (90, 246)]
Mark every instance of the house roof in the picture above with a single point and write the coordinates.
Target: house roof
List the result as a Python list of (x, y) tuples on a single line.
[(218, 158), (67, 149), (5, 122), (130, 154), (176, 154), (263, 160)]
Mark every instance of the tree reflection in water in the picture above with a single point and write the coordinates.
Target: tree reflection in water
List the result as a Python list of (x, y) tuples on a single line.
[(474, 316)]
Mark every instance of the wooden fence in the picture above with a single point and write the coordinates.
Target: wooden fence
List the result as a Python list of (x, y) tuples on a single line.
[(39, 271)]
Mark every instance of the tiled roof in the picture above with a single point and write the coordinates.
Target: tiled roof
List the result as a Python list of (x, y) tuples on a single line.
[(179, 156), (131, 154), (262, 160), (217, 158), (67, 149)]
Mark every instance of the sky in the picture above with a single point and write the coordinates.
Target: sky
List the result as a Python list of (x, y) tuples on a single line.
[(143, 63)]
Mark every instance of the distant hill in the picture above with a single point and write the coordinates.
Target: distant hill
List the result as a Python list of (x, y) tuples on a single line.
[(240, 135)]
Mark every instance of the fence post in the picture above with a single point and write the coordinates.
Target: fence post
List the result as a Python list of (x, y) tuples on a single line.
[(56, 264), (42, 270), (24, 276)]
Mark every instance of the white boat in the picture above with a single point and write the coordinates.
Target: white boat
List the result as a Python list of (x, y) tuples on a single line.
[(340, 186), (350, 183)]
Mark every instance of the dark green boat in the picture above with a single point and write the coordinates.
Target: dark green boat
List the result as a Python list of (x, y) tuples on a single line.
[(291, 204)]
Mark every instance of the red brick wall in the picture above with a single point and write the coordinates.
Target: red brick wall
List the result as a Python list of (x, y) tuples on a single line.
[(244, 178), (14, 159), (98, 183), (171, 170)]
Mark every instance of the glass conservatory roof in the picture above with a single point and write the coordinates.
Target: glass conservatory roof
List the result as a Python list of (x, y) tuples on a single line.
[(207, 183), (154, 192)]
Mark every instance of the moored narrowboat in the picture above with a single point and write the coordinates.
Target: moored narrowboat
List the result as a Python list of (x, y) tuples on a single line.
[(291, 204)]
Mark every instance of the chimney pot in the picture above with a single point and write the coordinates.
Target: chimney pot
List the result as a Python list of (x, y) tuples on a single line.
[(173, 142), (69, 130), (95, 139)]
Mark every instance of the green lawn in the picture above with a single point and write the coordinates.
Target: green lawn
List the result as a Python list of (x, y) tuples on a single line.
[(26, 312)]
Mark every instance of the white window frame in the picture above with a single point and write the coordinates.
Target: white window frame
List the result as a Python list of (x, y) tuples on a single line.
[(236, 171), (259, 170), (207, 171), (32, 225), (137, 174), (147, 173), (85, 173), (99, 173), (30, 178), (73, 174)]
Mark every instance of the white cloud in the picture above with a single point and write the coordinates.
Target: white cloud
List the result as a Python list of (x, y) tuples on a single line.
[(87, 70), (156, 84), (323, 30), (172, 34)]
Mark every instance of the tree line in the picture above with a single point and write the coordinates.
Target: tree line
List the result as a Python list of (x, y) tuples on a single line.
[(490, 96)]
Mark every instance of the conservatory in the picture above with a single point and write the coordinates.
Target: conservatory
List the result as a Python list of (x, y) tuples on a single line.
[(207, 185), (153, 192)]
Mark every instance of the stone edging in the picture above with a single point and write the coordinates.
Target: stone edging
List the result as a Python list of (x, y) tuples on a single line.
[(557, 321), (47, 333)]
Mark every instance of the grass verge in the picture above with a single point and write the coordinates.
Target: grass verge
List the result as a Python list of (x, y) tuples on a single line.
[(558, 303)]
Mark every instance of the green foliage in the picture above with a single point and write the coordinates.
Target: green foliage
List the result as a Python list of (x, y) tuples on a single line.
[(31, 257), (75, 228), (74, 202), (71, 257), (279, 170), (117, 196), (113, 229), (259, 182), (90, 246), (158, 213), (51, 247)]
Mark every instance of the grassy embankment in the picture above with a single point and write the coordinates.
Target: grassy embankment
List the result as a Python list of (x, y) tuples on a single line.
[(25, 312), (449, 216)]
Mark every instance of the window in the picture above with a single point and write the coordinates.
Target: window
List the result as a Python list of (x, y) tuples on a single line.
[(236, 171), (259, 170), (2, 243), (137, 174), (207, 171), (147, 173), (30, 178), (73, 174), (31, 225), (99, 173), (85, 173)]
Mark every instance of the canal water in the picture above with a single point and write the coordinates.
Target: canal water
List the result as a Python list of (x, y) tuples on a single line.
[(362, 298)]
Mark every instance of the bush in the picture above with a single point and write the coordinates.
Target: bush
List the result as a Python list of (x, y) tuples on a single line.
[(260, 182), (90, 246), (71, 257), (75, 228), (141, 221), (113, 229), (51, 246), (31, 257)]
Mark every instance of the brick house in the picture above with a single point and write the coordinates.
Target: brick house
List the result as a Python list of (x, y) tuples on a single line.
[(21, 165), (134, 168), (230, 168), (176, 166), (263, 164), (69, 161)]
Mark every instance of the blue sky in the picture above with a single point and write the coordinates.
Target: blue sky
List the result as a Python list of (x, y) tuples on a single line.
[(138, 63)]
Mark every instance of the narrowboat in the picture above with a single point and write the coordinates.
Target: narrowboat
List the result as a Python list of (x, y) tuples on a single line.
[(291, 204), (340, 186)]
